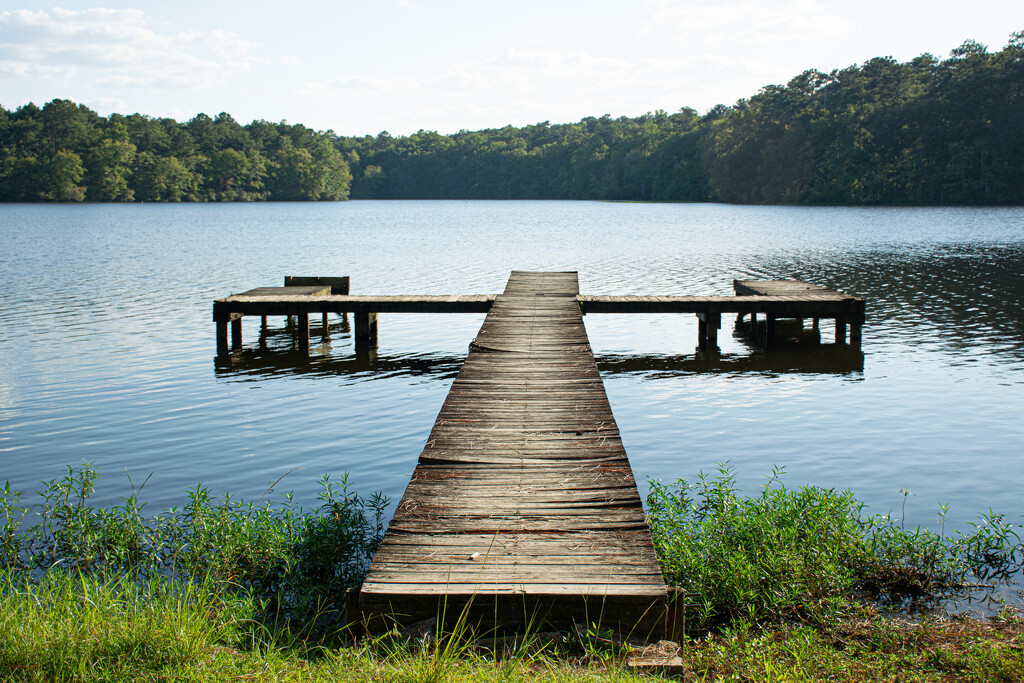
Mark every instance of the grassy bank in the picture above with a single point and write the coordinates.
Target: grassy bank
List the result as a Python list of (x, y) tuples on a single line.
[(787, 584), (66, 629)]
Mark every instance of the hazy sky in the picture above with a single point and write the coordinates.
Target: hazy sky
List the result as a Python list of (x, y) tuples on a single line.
[(401, 65)]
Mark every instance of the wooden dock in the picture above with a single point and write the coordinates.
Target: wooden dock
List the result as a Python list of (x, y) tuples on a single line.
[(523, 508), (774, 299)]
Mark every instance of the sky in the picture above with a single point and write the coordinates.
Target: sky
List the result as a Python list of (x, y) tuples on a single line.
[(363, 66)]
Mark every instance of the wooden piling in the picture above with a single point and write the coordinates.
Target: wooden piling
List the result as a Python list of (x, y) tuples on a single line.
[(840, 331), (222, 337), (855, 334), (366, 330), (236, 332), (707, 331), (769, 331), (302, 330)]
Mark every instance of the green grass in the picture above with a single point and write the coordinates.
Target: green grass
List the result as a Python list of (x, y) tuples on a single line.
[(74, 628), (784, 585), (867, 649)]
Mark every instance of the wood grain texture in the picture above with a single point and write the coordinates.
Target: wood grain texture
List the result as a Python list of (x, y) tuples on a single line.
[(523, 504)]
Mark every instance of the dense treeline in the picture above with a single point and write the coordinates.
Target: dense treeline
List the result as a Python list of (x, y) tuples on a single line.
[(66, 152), (927, 131)]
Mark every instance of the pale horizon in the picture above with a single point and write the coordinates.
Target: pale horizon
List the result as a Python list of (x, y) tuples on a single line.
[(411, 65)]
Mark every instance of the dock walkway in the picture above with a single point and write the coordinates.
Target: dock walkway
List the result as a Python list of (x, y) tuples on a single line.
[(523, 507)]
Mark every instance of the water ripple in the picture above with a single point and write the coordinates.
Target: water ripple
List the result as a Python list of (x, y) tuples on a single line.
[(107, 349)]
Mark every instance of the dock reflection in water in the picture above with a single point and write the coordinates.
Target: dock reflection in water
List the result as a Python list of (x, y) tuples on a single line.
[(279, 354)]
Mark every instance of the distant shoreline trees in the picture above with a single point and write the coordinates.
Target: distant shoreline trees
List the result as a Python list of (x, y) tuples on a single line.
[(66, 152), (924, 132)]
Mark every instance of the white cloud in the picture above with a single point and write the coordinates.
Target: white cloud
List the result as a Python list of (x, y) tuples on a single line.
[(115, 48)]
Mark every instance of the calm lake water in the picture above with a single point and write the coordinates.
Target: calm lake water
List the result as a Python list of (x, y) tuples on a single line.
[(107, 349)]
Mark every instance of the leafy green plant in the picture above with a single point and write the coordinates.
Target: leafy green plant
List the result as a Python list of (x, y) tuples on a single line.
[(807, 553), (297, 563)]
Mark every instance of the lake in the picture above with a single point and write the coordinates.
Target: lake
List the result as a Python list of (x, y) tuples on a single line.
[(107, 348)]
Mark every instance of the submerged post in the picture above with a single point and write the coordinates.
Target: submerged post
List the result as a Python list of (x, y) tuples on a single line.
[(236, 332), (707, 331), (840, 331), (303, 330), (222, 337), (366, 330)]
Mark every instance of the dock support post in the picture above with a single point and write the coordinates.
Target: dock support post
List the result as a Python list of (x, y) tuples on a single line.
[(236, 332), (855, 334), (303, 331), (323, 321), (366, 330), (814, 324), (222, 337), (708, 325), (840, 331), (769, 331)]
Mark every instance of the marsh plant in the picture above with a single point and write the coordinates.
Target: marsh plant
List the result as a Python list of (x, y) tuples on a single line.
[(808, 553), (297, 563)]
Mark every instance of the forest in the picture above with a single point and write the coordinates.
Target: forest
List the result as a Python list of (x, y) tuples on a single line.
[(928, 131)]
